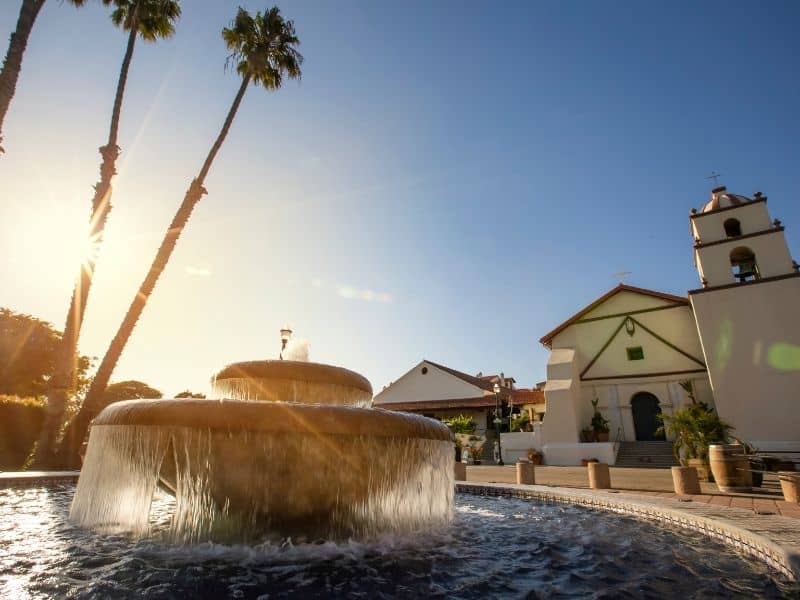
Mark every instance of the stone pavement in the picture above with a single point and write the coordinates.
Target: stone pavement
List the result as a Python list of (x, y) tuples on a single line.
[(648, 482)]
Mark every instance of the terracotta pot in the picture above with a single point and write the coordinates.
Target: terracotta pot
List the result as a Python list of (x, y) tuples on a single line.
[(703, 473), (601, 436), (731, 467), (790, 486)]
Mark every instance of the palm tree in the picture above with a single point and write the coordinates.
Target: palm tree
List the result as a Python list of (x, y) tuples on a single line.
[(264, 50), (150, 19), (12, 64)]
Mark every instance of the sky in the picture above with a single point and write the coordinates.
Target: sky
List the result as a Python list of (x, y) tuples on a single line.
[(448, 181)]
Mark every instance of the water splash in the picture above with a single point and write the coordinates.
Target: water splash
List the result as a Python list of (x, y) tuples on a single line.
[(247, 486)]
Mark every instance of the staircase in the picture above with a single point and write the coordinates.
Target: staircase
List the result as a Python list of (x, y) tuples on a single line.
[(648, 455)]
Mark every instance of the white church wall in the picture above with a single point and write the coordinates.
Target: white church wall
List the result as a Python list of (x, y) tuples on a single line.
[(751, 340), (752, 218), (772, 257)]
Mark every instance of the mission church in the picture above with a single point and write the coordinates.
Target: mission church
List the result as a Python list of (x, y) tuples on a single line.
[(736, 338)]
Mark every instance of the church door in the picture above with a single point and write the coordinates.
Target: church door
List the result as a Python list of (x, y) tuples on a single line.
[(645, 408)]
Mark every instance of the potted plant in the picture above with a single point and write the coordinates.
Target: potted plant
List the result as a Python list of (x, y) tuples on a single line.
[(757, 466), (475, 452), (599, 424), (534, 456), (586, 435), (695, 427)]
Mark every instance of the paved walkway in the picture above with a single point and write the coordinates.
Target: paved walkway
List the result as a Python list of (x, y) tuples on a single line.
[(765, 500)]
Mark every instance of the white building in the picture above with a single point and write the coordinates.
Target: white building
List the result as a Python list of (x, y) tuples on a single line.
[(737, 339), (440, 392)]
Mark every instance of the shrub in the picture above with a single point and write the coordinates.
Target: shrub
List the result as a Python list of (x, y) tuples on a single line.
[(461, 424), (521, 422), (20, 422)]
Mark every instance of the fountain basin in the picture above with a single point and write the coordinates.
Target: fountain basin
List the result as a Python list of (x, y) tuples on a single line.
[(292, 381), (241, 468)]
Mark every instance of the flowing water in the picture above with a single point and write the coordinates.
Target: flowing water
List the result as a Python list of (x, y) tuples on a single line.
[(494, 547), (237, 485)]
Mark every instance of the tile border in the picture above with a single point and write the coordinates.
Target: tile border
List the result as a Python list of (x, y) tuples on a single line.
[(759, 536)]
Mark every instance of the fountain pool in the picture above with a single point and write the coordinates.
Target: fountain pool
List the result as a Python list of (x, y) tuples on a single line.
[(493, 547)]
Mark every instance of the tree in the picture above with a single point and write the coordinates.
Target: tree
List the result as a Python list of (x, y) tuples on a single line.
[(28, 348), (461, 424), (264, 49), (188, 394), (12, 65), (129, 390), (150, 19)]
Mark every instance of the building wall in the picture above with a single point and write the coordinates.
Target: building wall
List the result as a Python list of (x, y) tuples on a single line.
[(433, 385), (614, 379), (751, 341), (771, 252), (752, 217)]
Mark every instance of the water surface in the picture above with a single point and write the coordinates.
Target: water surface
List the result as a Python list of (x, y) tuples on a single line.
[(496, 547)]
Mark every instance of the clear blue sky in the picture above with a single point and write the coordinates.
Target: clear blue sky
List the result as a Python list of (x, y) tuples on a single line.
[(482, 168)]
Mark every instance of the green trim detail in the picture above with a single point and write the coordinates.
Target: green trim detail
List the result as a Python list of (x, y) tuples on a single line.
[(633, 312), (648, 330)]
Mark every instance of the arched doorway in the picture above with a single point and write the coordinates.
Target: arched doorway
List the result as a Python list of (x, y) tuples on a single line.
[(646, 408)]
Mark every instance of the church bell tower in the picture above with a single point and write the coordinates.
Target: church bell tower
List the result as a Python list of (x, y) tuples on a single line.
[(748, 318)]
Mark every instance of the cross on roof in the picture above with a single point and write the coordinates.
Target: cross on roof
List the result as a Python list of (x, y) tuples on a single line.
[(715, 176)]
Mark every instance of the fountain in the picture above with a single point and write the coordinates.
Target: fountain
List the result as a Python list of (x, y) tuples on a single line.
[(292, 451)]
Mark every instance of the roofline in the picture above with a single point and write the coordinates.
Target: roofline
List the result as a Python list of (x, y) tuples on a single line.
[(699, 214), (548, 337), (470, 379)]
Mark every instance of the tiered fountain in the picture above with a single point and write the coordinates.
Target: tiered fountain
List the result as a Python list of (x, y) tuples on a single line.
[(295, 452)]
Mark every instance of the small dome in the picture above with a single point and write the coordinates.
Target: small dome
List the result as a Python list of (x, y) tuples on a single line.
[(721, 198)]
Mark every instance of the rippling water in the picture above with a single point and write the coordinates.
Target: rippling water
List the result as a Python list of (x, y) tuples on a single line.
[(495, 547)]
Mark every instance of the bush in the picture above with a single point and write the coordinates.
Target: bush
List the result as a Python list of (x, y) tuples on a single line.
[(20, 422), (520, 422), (461, 424)]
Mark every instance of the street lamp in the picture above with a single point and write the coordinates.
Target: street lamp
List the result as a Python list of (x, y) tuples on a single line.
[(497, 421), (286, 333)]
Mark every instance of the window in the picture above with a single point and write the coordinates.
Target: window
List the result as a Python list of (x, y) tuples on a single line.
[(743, 265), (635, 353), (424, 370), (732, 228)]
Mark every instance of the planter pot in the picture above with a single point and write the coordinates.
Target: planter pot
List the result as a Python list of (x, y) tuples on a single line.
[(731, 467), (756, 470), (790, 486), (703, 473), (685, 481), (601, 436)]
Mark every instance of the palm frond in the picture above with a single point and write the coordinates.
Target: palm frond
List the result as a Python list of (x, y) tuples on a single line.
[(263, 47)]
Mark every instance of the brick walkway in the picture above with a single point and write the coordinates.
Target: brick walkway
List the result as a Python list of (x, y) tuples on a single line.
[(647, 482)]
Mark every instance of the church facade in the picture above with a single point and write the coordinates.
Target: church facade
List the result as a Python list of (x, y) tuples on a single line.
[(734, 343)]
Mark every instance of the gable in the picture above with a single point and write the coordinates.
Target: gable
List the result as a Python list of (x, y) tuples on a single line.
[(625, 302), (435, 384), (622, 299), (668, 340)]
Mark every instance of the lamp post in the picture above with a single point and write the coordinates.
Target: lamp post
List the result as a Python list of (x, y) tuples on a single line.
[(497, 421), (286, 333)]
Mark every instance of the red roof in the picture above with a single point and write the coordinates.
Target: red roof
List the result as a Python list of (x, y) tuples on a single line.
[(519, 397), (476, 381), (547, 338)]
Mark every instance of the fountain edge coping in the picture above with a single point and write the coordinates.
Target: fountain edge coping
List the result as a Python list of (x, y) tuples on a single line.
[(758, 536)]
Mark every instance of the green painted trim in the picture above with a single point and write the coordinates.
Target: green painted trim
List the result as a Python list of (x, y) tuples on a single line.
[(648, 330), (603, 349), (633, 312), (662, 374), (668, 343)]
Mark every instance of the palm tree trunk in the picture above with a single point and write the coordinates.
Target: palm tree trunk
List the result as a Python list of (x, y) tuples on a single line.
[(64, 373), (13, 61), (76, 431)]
